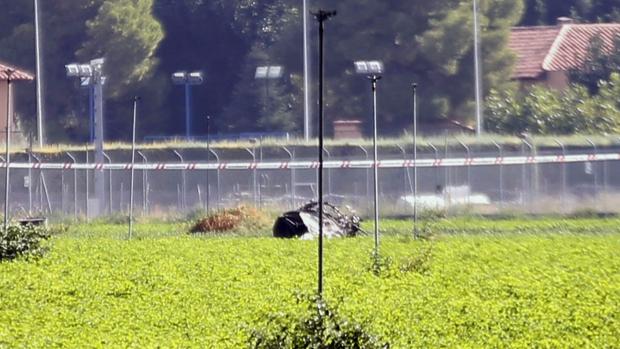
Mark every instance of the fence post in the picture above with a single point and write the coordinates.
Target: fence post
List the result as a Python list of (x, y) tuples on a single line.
[(75, 211), (468, 165), (183, 181), (145, 184), (594, 172), (109, 183), (292, 159), (254, 179), (564, 175), (367, 178), (500, 151), (217, 173)]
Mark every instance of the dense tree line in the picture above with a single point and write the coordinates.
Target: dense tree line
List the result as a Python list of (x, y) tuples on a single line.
[(144, 41)]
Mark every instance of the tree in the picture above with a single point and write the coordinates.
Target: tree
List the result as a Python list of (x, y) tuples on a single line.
[(599, 64), (540, 110)]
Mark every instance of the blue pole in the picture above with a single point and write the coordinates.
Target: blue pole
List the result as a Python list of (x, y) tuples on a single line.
[(188, 111), (91, 112)]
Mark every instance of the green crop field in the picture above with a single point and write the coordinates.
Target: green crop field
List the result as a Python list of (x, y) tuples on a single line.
[(473, 283)]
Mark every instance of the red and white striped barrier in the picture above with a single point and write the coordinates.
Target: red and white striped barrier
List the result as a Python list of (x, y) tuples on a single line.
[(340, 164)]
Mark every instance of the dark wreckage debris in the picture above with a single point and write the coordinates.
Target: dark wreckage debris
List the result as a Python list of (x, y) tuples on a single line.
[(304, 223)]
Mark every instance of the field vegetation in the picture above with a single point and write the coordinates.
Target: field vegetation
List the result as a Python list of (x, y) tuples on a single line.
[(469, 282)]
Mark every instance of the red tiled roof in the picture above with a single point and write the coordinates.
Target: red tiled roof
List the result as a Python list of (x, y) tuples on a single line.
[(531, 45), (571, 49), (558, 48), (17, 74)]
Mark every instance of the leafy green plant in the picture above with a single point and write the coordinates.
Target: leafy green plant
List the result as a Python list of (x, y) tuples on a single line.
[(22, 240), (379, 264), (320, 327)]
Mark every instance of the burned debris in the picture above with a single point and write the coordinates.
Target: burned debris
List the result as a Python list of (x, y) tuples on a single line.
[(304, 223)]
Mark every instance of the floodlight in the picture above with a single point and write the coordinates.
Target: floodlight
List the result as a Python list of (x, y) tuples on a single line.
[(269, 72), (369, 67), (85, 70), (261, 72), (179, 78), (73, 70), (195, 78)]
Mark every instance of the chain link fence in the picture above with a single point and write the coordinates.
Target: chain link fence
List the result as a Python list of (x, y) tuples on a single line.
[(530, 187)]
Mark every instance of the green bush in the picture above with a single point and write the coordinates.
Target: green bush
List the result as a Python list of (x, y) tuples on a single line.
[(22, 240), (319, 328)]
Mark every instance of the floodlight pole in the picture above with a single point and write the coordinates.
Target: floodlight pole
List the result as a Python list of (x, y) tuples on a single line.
[(307, 130), (133, 162), (321, 16), (478, 82), (415, 160), (39, 82), (373, 80), (207, 171), (7, 154), (188, 110)]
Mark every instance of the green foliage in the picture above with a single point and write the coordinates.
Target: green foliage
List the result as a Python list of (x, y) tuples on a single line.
[(529, 283), (540, 12), (598, 66), (320, 327), (22, 241), (540, 110)]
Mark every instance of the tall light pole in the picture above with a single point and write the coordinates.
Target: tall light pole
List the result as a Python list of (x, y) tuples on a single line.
[(321, 16), (188, 80), (39, 82), (133, 162), (208, 151), (373, 70), (7, 154), (269, 72), (478, 72), (92, 75), (306, 41), (415, 160)]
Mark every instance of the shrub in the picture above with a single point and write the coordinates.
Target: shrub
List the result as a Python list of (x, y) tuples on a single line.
[(22, 240), (231, 220), (319, 328)]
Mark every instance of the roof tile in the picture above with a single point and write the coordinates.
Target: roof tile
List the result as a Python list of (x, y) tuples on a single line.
[(17, 74)]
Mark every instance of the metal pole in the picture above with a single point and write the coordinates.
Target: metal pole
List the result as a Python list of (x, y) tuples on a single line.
[(307, 111), (594, 174), (145, 186), (87, 186), (254, 179), (478, 82), (564, 178), (321, 17), (183, 181), (39, 80), (415, 160), (524, 174), (30, 178), (208, 191), (217, 173), (133, 162), (367, 183), (501, 172), (468, 170), (75, 213), (292, 158), (188, 117), (109, 184), (329, 174), (373, 81), (7, 154)]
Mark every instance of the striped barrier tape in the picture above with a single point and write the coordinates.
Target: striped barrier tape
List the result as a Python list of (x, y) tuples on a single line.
[(341, 164)]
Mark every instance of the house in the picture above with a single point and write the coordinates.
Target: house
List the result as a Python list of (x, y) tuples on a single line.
[(546, 54), (7, 72)]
